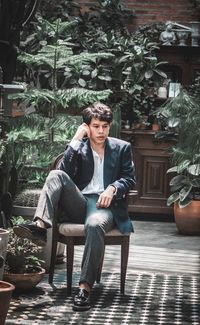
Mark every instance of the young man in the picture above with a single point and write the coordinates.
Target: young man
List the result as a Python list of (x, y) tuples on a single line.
[(90, 186)]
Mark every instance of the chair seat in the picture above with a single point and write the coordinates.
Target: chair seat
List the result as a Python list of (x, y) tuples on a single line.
[(77, 230)]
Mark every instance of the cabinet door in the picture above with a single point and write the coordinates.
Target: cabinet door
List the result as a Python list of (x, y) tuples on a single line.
[(152, 181), (151, 160)]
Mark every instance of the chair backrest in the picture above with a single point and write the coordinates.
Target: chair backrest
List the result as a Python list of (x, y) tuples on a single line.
[(55, 163)]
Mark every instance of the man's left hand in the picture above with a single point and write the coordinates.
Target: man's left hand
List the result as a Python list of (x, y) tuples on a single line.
[(106, 197)]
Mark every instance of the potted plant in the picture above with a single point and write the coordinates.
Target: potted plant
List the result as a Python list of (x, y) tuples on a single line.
[(183, 119), (22, 265)]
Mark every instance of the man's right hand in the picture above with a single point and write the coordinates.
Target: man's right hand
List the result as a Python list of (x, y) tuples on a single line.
[(82, 131)]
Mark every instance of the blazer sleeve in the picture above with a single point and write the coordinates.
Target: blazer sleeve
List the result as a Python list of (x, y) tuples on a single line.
[(126, 180), (69, 162)]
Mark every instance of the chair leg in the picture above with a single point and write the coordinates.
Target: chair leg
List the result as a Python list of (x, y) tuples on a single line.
[(53, 260), (124, 261), (98, 279), (70, 263)]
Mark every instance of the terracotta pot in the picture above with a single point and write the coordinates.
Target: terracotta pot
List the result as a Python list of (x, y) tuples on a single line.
[(155, 127), (188, 218), (6, 290), (24, 281)]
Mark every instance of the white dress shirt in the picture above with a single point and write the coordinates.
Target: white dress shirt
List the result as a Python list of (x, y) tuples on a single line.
[(96, 185)]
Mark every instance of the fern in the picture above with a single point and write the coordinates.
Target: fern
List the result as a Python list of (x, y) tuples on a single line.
[(64, 56), (62, 97), (33, 141), (81, 96), (55, 59), (87, 57)]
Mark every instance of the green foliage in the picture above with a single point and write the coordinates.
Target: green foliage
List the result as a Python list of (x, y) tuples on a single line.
[(109, 14), (182, 113), (33, 141), (21, 253), (59, 9), (133, 68), (194, 89), (116, 124), (59, 73), (3, 144), (44, 99), (69, 59), (95, 51)]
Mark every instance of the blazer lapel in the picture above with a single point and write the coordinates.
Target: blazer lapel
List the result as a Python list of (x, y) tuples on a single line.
[(110, 160), (87, 159)]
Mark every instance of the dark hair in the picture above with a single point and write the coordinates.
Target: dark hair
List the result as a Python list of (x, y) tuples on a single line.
[(99, 111)]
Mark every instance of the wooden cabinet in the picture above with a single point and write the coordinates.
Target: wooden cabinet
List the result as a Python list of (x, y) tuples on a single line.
[(151, 158)]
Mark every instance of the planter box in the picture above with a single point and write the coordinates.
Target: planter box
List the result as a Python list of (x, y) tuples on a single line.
[(23, 211)]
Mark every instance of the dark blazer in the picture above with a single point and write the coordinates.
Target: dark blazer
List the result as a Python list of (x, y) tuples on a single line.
[(118, 171)]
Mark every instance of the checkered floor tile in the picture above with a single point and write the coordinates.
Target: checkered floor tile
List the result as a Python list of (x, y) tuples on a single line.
[(150, 299)]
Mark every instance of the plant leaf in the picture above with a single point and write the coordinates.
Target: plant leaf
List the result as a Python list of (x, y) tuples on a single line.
[(194, 169), (185, 191), (173, 122), (173, 198), (148, 74), (183, 165), (82, 82), (187, 201), (172, 170), (160, 73)]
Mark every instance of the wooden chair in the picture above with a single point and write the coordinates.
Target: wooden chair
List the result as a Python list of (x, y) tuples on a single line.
[(72, 234)]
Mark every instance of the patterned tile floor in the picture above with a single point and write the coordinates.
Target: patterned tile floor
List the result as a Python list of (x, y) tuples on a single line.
[(162, 285), (150, 299)]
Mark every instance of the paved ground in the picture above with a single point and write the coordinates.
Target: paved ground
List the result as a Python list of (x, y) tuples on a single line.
[(162, 285), (155, 247), (150, 299)]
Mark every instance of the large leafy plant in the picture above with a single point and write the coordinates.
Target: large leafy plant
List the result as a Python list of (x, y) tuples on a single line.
[(55, 76), (127, 69), (182, 115), (32, 142), (129, 73), (58, 72)]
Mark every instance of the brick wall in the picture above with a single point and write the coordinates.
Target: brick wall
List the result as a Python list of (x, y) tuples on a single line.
[(151, 11)]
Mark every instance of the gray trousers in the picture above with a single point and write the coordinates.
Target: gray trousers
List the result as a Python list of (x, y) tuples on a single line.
[(60, 190)]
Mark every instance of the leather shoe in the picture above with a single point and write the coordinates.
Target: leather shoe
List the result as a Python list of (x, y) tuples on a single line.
[(32, 232), (81, 300)]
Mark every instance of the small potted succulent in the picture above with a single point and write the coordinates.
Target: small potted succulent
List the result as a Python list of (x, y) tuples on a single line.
[(22, 264)]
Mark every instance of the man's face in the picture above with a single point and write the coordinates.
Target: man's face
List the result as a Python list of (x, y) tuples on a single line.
[(99, 131)]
